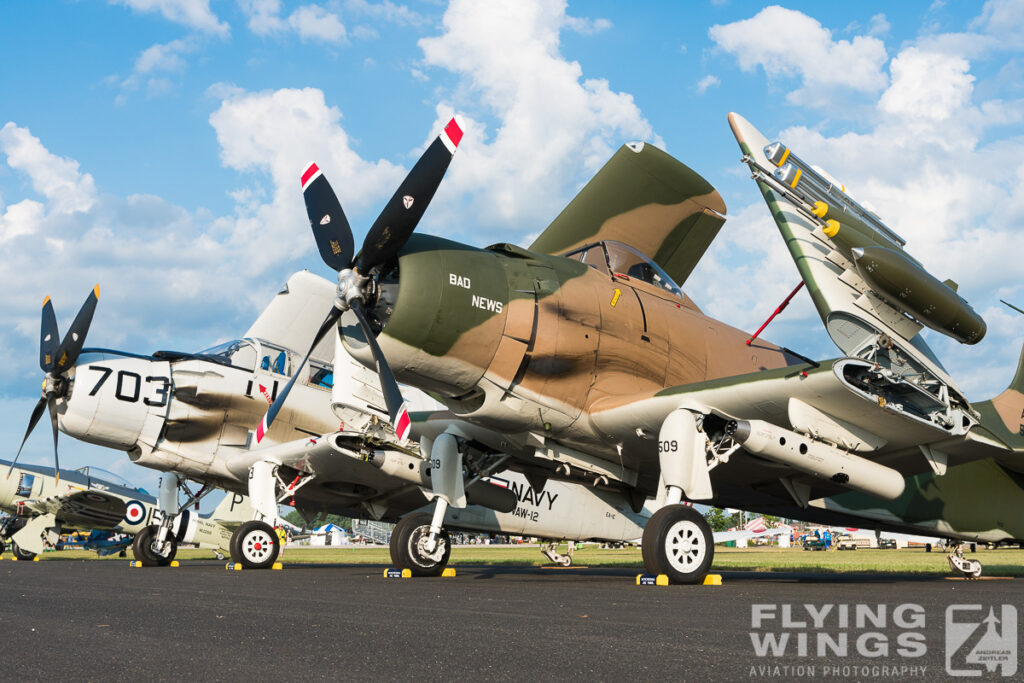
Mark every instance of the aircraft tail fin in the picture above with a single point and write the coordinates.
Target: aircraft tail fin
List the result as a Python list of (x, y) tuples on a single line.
[(1008, 409), (235, 508)]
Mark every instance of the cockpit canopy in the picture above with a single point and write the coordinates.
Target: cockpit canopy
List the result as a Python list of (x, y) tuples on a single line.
[(616, 258), (247, 354)]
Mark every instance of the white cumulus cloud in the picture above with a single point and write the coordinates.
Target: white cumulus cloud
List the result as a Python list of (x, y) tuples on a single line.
[(56, 178), (537, 127), (786, 43), (195, 14)]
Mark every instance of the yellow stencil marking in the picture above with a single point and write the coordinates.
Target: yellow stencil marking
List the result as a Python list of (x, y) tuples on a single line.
[(615, 297)]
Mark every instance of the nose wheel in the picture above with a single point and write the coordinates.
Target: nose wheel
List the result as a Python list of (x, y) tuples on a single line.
[(254, 545), (410, 546), (678, 542)]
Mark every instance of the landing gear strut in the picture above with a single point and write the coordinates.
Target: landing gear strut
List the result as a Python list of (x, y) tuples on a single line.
[(971, 569), (155, 546), (678, 542), (411, 548)]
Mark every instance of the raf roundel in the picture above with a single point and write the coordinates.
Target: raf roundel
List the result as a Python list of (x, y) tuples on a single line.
[(135, 512)]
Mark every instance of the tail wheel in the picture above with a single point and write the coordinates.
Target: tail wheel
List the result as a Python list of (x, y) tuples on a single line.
[(23, 555), (409, 546), (142, 548), (678, 542), (254, 545)]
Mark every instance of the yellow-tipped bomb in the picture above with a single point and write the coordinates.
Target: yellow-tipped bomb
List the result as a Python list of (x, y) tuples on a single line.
[(820, 209), (831, 228)]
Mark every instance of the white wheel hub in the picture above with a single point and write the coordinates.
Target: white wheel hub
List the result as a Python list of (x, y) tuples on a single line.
[(685, 546), (257, 546)]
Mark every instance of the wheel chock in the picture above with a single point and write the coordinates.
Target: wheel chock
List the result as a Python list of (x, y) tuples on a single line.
[(652, 579), (278, 566), (233, 566), (713, 580), (175, 563), (448, 573), (392, 573), (134, 563)]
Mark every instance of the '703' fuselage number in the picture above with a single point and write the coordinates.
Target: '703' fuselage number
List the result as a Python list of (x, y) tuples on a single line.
[(129, 386)]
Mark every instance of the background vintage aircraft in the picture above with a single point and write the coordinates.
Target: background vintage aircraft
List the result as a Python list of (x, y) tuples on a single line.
[(583, 360), (41, 506)]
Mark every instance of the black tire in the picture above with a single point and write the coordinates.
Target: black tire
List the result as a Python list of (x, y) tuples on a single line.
[(406, 539), (678, 542), (254, 545), (23, 555), (142, 548), (3, 547)]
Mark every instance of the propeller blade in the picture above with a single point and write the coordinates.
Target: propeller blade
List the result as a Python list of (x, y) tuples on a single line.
[(330, 227), (397, 221), (37, 412), (268, 419), (52, 403), (69, 349), (49, 336), (397, 410)]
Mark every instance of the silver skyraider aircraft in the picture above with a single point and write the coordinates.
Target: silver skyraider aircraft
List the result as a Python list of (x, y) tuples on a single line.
[(197, 416)]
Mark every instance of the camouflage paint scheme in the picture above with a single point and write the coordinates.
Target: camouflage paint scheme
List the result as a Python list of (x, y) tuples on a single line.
[(556, 357)]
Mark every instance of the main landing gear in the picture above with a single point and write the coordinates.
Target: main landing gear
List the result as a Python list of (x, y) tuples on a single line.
[(254, 545), (678, 542), (411, 548), (419, 541), (156, 545), (971, 569), (146, 551)]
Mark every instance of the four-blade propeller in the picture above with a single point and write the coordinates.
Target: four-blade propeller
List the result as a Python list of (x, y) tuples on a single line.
[(55, 359), (385, 239)]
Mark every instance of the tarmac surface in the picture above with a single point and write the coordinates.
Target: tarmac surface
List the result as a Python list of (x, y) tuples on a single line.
[(90, 620)]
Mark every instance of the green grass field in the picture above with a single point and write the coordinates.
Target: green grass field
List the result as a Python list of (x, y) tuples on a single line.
[(913, 561)]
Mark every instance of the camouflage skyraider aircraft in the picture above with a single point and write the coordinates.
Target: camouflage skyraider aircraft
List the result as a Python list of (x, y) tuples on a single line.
[(582, 360)]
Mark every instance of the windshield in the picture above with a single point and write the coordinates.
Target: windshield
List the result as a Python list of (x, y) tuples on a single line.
[(625, 260), (240, 352)]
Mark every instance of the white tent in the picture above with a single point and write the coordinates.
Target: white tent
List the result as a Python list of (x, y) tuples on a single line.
[(329, 534)]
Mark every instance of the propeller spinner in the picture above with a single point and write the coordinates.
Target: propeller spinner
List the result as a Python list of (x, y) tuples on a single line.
[(383, 241), (55, 359)]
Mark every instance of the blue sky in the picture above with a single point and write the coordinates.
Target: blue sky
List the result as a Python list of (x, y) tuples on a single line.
[(154, 147)]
